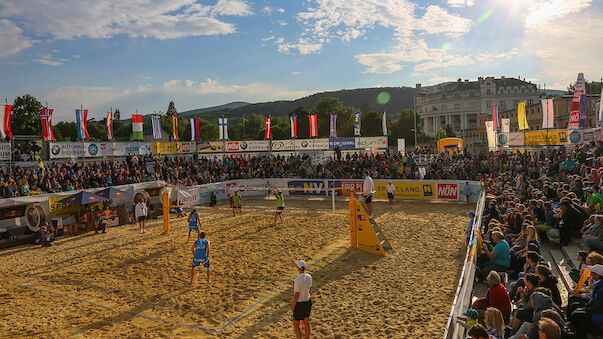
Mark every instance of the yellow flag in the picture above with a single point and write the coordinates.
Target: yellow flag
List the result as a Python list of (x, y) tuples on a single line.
[(522, 120)]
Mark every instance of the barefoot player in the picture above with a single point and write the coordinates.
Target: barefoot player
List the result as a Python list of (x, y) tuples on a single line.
[(200, 254), (194, 223)]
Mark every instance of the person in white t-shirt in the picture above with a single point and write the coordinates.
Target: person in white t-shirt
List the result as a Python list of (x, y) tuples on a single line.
[(140, 212), (368, 189), (390, 194), (302, 304)]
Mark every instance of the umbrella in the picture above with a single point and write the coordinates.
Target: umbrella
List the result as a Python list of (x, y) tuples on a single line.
[(82, 198), (111, 193)]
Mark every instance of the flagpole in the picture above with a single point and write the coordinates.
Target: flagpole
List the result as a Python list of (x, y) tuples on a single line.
[(10, 143), (83, 135), (223, 141)]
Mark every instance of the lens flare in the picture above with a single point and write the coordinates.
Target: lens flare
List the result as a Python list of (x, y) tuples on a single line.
[(383, 98), (446, 46), (484, 16)]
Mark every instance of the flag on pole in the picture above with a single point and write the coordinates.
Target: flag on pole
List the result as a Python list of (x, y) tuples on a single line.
[(333, 128), (175, 127), (505, 126), (268, 131), (109, 124), (313, 125), (583, 117), (195, 130), (294, 126), (495, 123), (600, 106), (357, 124), (547, 113), (81, 118), (223, 126), (137, 127), (384, 124), (5, 130), (579, 89), (522, 120), (156, 124), (46, 115)]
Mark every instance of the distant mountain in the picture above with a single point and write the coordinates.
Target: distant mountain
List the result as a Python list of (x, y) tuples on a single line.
[(228, 106), (361, 98), (553, 91)]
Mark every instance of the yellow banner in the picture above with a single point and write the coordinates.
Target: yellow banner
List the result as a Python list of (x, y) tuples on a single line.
[(407, 190), (450, 145), (59, 210), (555, 137), (210, 146), (166, 147), (522, 120)]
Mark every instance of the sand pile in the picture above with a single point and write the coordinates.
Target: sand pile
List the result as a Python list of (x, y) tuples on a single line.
[(408, 292)]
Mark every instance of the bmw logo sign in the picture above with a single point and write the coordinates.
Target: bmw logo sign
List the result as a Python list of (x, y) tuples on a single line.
[(575, 137), (93, 149), (55, 149), (503, 139), (304, 144), (243, 145)]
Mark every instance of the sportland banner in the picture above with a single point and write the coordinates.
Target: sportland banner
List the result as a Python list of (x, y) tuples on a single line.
[(174, 147), (553, 137)]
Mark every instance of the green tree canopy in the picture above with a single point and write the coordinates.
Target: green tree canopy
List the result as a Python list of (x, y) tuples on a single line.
[(171, 111), (25, 118), (592, 87)]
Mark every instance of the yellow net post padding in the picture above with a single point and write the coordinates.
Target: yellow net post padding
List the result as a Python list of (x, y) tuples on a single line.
[(166, 212)]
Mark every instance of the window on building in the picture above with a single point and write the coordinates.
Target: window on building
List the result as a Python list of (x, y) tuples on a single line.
[(434, 108), (442, 121), (501, 104), (471, 93), (489, 104), (444, 107)]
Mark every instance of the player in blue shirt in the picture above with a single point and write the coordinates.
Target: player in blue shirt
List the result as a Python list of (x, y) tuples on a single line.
[(200, 254), (194, 223)]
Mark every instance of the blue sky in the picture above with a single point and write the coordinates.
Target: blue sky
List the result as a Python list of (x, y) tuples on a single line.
[(140, 54)]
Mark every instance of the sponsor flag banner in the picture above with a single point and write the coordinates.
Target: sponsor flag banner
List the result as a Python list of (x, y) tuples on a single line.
[(554, 137), (156, 124), (5, 111), (402, 146), (579, 89), (293, 126), (46, 117), (384, 124), (137, 127), (601, 105), (268, 131), (357, 122), (333, 127), (522, 120), (548, 113), (505, 126), (583, 115), (490, 135), (223, 126), (495, 122), (109, 124), (313, 125), (175, 127), (81, 119)]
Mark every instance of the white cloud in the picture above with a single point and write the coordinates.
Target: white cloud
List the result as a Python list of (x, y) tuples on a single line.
[(99, 19), (13, 40), (302, 46), (282, 22), (294, 73), (460, 3), (281, 10), (437, 20), (438, 79), (48, 59), (543, 11)]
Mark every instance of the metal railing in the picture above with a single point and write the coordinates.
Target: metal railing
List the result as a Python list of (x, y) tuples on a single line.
[(462, 298)]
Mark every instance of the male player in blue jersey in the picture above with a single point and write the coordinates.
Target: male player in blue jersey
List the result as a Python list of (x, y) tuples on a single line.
[(194, 223), (200, 254)]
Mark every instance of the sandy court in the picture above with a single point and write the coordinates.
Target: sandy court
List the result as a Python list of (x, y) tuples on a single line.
[(356, 294)]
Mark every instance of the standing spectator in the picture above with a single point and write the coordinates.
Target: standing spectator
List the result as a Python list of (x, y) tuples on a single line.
[(391, 189), (141, 212), (469, 226), (368, 189), (302, 304)]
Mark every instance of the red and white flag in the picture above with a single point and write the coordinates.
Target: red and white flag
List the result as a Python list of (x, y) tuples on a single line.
[(268, 132), (109, 124), (313, 125), (46, 115), (294, 126), (5, 111)]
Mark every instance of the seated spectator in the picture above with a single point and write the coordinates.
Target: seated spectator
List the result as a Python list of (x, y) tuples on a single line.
[(499, 259), (576, 273), (548, 329), (497, 297), (478, 332), (495, 325), (571, 220), (594, 202), (525, 311), (594, 242), (590, 318), (548, 280), (469, 320)]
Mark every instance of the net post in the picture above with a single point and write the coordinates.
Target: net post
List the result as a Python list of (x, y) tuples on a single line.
[(166, 212), (333, 198)]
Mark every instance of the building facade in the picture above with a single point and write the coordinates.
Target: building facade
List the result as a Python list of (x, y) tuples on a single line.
[(460, 104)]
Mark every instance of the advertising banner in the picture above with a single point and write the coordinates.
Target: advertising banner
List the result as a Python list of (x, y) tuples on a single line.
[(233, 146), (116, 149), (371, 142), (66, 150), (510, 139), (312, 144), (402, 146), (283, 145), (255, 145), (209, 146), (591, 135), (188, 147), (4, 151), (447, 191), (407, 190), (342, 143), (552, 137), (310, 187), (166, 148)]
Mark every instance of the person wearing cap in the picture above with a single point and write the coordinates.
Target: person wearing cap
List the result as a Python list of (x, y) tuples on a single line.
[(200, 254), (194, 223), (280, 206), (391, 189), (236, 203), (469, 319), (302, 304), (591, 316), (368, 189), (594, 202)]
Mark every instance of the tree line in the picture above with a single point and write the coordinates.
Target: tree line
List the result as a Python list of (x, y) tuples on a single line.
[(25, 120)]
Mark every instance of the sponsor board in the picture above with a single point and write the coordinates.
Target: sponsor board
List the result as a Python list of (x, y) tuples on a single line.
[(447, 191), (312, 144), (116, 149), (371, 142), (188, 147), (553, 137), (66, 150), (283, 145), (62, 210), (233, 146), (310, 187), (254, 145), (165, 148), (4, 151), (591, 135), (342, 143), (407, 190), (209, 146)]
